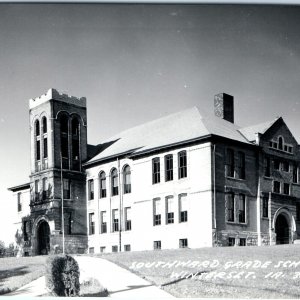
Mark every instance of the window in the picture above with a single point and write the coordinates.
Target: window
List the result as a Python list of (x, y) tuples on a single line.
[(37, 128), (64, 137), (231, 241), (115, 218), (44, 120), (68, 222), (230, 207), (285, 166), (64, 147), (280, 143), (127, 218), (127, 248), (242, 209), (102, 249), (91, 250), (265, 207), (102, 182), (169, 210), (169, 167), (114, 182), (155, 170), (19, 202), (45, 148), (290, 149), (276, 164), (114, 248), (91, 189), (286, 188), (38, 150), (241, 165), (25, 230), (276, 187), (230, 163), (127, 180), (267, 164), (157, 212), (36, 190), (242, 242), (66, 188), (298, 211), (183, 208), (91, 223), (295, 173), (183, 243), (75, 127), (64, 124), (103, 218), (157, 245), (45, 188), (182, 165)]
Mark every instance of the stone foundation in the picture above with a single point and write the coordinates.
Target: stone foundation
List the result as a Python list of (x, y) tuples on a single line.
[(74, 244)]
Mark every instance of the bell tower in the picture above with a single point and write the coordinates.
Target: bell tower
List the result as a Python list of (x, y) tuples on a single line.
[(58, 133)]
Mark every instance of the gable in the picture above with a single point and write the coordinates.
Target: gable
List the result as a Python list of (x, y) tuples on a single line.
[(279, 138)]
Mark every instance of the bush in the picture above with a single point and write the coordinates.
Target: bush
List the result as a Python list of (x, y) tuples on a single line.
[(62, 276)]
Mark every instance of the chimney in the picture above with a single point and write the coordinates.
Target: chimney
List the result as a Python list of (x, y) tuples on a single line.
[(224, 107)]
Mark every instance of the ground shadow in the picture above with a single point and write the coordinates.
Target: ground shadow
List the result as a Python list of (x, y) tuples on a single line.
[(19, 271), (131, 287)]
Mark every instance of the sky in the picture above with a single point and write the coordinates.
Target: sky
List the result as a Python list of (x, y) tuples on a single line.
[(138, 62)]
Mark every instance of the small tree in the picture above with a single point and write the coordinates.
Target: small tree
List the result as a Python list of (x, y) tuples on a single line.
[(2, 248)]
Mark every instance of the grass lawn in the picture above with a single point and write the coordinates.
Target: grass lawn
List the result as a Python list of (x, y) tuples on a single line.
[(229, 277), (16, 272)]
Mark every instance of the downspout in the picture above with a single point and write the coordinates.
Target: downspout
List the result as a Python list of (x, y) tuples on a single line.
[(120, 206), (214, 192)]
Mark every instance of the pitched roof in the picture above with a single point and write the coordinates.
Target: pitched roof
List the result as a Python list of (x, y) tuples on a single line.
[(250, 132), (176, 128)]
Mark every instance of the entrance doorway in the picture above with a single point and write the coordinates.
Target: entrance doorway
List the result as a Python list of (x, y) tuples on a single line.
[(43, 238), (282, 230)]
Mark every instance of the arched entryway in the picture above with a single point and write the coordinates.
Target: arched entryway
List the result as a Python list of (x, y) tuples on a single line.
[(43, 238), (282, 230)]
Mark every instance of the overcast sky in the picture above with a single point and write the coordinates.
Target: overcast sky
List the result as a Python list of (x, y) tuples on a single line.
[(135, 63)]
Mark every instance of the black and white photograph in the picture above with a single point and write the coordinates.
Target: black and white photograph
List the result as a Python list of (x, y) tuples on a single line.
[(150, 150)]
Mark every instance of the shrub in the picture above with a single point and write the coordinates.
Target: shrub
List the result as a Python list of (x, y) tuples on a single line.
[(62, 276)]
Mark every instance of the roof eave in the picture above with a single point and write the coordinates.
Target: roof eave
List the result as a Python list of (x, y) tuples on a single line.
[(19, 187)]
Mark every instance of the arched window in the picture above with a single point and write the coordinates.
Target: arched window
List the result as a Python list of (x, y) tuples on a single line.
[(102, 183), (44, 122), (114, 182), (64, 136), (280, 143), (37, 128), (127, 180)]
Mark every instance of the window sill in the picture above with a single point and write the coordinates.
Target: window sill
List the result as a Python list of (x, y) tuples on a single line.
[(236, 223), (237, 179)]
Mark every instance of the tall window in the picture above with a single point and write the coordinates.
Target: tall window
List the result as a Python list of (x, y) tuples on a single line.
[(66, 188), (156, 212), (241, 165), (127, 218), (91, 223), (36, 190), (45, 188), (127, 180), (45, 147), (115, 218), (298, 211), (102, 182), (182, 165), (169, 167), (75, 127), (26, 230), (75, 144), (114, 182), (276, 163), (37, 128), (295, 173), (230, 163), (91, 189), (286, 188), (265, 207), (280, 143), (19, 202), (64, 125), (267, 165), (155, 170), (242, 209), (276, 187), (38, 150), (230, 207), (103, 217), (183, 208), (44, 121), (285, 166), (170, 210)]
